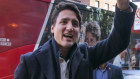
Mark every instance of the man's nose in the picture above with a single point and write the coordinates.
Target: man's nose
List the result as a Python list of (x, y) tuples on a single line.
[(70, 27)]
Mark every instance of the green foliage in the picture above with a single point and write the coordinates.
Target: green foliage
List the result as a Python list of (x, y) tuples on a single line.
[(103, 17)]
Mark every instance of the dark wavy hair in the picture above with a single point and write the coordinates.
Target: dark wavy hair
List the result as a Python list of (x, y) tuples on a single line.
[(63, 6), (94, 29)]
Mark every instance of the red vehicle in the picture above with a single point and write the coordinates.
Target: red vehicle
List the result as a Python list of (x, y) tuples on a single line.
[(21, 25)]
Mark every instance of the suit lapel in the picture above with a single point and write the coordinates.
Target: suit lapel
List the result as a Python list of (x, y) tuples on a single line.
[(109, 71), (75, 63), (45, 60)]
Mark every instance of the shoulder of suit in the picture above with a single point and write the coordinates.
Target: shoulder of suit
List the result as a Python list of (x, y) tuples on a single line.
[(41, 48)]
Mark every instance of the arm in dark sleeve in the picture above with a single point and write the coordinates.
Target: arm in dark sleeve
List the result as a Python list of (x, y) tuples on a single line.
[(117, 41), (21, 70), (123, 22)]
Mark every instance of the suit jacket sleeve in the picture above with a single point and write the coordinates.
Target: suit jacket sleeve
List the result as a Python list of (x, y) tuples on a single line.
[(21, 70), (117, 41)]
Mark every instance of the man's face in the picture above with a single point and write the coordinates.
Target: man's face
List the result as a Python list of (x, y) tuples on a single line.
[(90, 39), (66, 28)]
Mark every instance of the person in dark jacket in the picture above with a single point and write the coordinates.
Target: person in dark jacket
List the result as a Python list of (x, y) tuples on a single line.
[(106, 70), (110, 71), (62, 58)]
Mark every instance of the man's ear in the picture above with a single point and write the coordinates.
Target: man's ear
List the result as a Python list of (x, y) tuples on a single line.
[(52, 29)]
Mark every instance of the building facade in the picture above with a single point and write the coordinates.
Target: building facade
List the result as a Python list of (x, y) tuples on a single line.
[(103, 4)]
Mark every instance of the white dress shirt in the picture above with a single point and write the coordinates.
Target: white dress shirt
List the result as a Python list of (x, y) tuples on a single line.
[(64, 68)]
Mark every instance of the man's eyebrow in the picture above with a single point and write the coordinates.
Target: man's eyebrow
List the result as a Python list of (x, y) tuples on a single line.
[(65, 19), (69, 19), (74, 20)]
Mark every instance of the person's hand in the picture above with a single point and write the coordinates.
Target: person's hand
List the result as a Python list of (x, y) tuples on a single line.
[(123, 4)]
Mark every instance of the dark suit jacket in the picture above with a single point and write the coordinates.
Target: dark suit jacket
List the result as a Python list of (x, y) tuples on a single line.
[(44, 62), (114, 72)]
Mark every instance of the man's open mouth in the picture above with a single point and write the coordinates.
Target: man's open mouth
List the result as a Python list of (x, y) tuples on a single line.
[(68, 36)]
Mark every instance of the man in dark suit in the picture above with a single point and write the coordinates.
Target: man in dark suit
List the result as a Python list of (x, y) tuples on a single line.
[(106, 70), (62, 58)]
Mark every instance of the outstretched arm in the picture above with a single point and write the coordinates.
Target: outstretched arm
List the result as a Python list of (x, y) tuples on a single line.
[(118, 40)]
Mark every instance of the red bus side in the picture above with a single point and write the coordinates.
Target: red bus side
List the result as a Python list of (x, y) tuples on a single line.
[(21, 22)]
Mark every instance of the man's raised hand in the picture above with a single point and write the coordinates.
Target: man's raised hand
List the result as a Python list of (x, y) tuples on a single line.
[(123, 4)]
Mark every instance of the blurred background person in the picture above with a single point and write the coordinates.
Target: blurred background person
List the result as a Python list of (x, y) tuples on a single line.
[(132, 62), (93, 33), (137, 55), (106, 70), (118, 59)]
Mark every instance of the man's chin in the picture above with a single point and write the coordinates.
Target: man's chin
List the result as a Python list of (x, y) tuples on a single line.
[(68, 45)]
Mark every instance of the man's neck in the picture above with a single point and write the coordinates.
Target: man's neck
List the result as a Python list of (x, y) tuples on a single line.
[(64, 51), (103, 66)]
